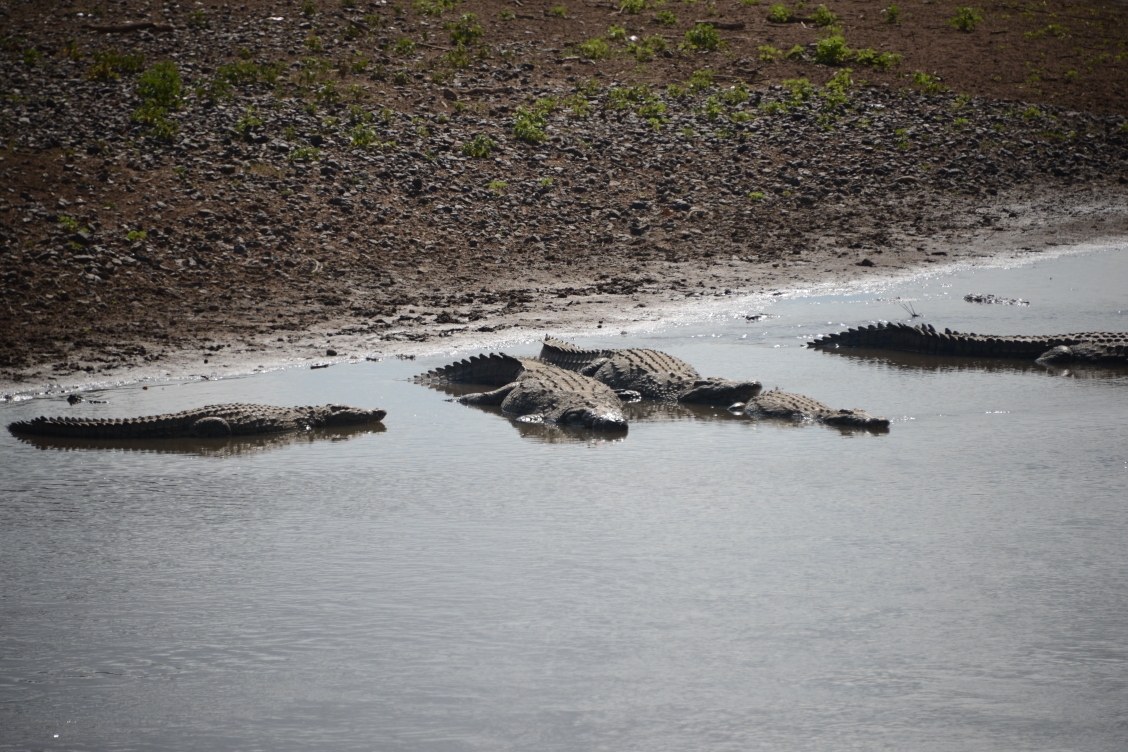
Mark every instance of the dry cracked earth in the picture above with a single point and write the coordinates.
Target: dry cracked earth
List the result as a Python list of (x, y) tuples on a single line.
[(190, 181)]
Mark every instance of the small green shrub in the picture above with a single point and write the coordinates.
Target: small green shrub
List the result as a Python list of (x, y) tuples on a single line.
[(824, 17), (480, 147), (110, 64), (497, 186), (756, 195), (70, 224), (313, 44), (928, 84), (832, 50), (308, 8), (362, 137), (769, 54), (632, 7), (703, 37), (505, 14), (160, 85), (795, 53), (435, 8), (197, 19), (666, 18), (593, 49), (966, 19), (891, 15), (135, 235), (465, 31), (248, 122), (780, 13), (884, 61), (404, 46), (305, 154), (558, 11), (645, 50), (529, 123), (701, 80), (616, 33), (401, 78), (736, 94)]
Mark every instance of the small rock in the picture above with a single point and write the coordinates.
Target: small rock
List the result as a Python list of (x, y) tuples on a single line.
[(331, 353), (865, 262)]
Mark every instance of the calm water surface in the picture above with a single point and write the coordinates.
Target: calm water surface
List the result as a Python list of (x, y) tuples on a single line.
[(462, 582)]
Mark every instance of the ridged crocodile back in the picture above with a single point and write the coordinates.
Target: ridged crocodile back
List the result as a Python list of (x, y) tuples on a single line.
[(925, 339), (495, 369), (568, 356)]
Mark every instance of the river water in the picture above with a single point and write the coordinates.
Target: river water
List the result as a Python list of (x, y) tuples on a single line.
[(459, 581)]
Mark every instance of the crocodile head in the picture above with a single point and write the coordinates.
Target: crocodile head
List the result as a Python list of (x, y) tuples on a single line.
[(856, 419), (343, 415), (595, 419), (721, 391)]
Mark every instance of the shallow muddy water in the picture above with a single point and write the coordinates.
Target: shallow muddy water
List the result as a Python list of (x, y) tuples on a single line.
[(459, 581)]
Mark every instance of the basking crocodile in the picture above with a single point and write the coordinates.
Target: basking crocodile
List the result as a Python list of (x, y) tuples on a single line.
[(535, 391), (649, 374), (784, 405), (1083, 347), (213, 421)]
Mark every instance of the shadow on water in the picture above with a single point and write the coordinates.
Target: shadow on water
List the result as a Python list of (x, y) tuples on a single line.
[(954, 364), (223, 447)]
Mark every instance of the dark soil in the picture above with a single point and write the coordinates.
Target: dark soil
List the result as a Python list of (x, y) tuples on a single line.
[(310, 181)]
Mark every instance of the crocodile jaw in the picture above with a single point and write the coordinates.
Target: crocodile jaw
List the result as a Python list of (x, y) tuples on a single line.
[(596, 420), (343, 415), (721, 392)]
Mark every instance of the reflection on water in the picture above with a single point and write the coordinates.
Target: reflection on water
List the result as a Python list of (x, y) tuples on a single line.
[(217, 447), (954, 363)]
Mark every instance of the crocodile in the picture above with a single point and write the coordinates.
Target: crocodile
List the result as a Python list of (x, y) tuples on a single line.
[(649, 374), (1082, 347), (212, 421), (534, 391), (784, 405)]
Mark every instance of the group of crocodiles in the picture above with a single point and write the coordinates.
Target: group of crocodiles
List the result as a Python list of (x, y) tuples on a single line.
[(570, 386), (587, 388)]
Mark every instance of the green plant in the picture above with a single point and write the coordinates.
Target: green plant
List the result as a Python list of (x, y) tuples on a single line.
[(1031, 113), (459, 57), (666, 18), (249, 121), (529, 124), (702, 37), (135, 235), (646, 49), (160, 85), (110, 64), (700, 80), (756, 195), (891, 15), (362, 137), (780, 13), (966, 19), (546, 183), (347, 4), (578, 106), (800, 88), (466, 30), (795, 52), (589, 88), (327, 94), (1055, 30), (928, 84), (497, 186), (197, 19), (824, 17), (960, 122), (712, 109), (308, 8), (505, 14), (616, 33), (401, 78), (480, 147), (769, 54), (869, 56), (313, 43), (434, 8), (404, 46), (632, 7), (557, 11), (593, 49), (305, 154), (832, 50), (961, 101), (736, 94), (749, 2), (70, 224)]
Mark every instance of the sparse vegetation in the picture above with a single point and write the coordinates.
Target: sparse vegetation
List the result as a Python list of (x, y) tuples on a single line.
[(832, 50), (480, 147), (780, 13), (702, 38), (110, 64), (966, 19), (824, 17), (666, 18), (593, 49), (891, 15)]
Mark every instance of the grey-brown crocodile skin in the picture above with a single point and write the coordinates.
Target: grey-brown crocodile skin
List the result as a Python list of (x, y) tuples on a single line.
[(205, 422)]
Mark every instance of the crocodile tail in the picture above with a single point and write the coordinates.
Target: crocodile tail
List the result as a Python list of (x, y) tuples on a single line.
[(566, 355), (496, 369)]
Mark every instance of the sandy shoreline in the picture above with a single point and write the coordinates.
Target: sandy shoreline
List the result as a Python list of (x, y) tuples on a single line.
[(1047, 226)]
